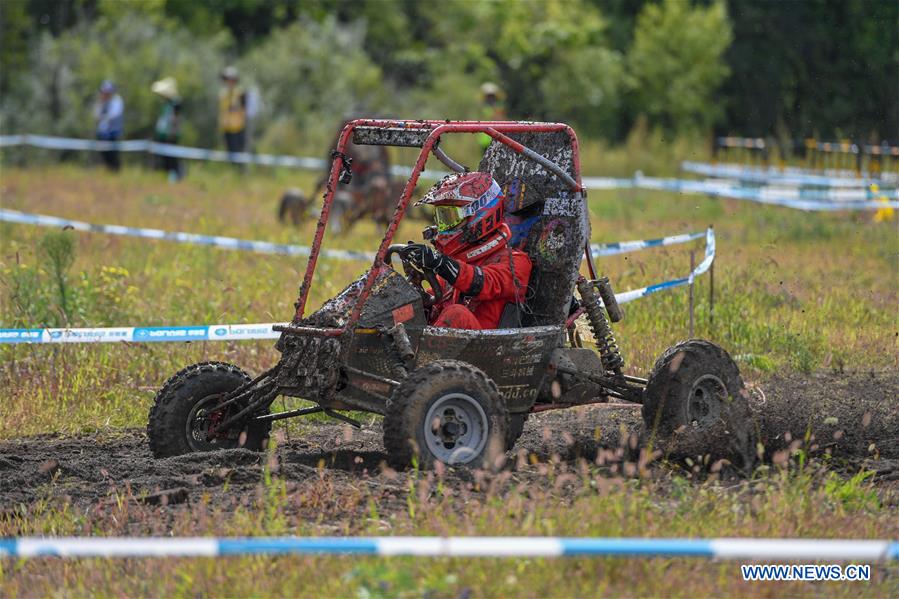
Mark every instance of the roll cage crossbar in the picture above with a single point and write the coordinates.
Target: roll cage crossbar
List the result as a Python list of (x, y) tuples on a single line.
[(426, 135)]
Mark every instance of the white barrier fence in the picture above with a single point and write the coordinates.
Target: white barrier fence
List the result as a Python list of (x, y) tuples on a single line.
[(49, 142), (267, 247), (788, 176), (808, 200), (225, 243), (773, 192), (722, 549), (235, 332)]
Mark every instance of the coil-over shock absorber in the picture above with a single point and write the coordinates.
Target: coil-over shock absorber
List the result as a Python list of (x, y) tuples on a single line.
[(599, 323)]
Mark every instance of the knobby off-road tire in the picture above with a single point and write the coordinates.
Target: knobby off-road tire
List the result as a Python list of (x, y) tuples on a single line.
[(446, 411), (191, 393), (695, 404)]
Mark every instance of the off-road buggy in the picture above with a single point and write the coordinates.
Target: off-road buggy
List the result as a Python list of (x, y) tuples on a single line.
[(462, 396)]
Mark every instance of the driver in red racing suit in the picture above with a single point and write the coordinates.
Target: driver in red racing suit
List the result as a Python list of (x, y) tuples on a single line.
[(480, 273)]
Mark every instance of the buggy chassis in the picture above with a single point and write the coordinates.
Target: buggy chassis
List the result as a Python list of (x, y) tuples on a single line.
[(452, 395)]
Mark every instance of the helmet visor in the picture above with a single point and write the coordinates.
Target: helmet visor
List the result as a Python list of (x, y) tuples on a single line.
[(448, 217)]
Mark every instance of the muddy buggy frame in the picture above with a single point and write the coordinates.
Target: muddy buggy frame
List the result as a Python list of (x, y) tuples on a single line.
[(462, 396)]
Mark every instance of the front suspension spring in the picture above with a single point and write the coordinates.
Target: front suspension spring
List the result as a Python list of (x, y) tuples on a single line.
[(599, 324)]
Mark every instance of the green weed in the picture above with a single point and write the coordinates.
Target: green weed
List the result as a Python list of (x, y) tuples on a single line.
[(854, 494), (58, 252)]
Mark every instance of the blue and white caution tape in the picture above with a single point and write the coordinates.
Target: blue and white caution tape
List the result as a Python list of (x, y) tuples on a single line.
[(48, 142), (230, 332), (787, 176), (607, 183), (624, 247), (774, 196), (803, 199), (702, 267), (227, 243), (143, 145), (238, 332), (214, 332), (815, 194), (761, 195), (8, 141), (722, 549), (14, 216)]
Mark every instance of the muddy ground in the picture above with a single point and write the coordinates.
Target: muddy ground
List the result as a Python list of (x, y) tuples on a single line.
[(337, 469)]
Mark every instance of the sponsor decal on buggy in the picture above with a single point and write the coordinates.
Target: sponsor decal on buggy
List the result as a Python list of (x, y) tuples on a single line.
[(403, 313), (523, 359), (528, 343), (553, 239), (517, 392), (515, 196), (517, 371), (524, 169), (564, 205), (524, 346)]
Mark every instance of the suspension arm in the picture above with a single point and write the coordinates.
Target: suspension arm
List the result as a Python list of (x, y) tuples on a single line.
[(618, 385)]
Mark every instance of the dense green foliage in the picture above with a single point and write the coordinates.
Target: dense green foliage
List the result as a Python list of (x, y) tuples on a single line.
[(672, 64), (821, 67)]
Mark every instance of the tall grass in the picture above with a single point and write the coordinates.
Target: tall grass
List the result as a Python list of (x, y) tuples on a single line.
[(794, 291), (794, 501)]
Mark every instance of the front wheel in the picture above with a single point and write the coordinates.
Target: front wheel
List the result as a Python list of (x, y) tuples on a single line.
[(695, 403), (446, 411), (186, 408)]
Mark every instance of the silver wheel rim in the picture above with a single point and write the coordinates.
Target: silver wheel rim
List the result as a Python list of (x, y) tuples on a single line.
[(706, 400), (456, 429)]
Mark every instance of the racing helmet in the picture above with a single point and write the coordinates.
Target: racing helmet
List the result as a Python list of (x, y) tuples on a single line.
[(467, 208)]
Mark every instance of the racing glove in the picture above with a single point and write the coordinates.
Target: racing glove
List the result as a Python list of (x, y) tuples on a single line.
[(427, 258)]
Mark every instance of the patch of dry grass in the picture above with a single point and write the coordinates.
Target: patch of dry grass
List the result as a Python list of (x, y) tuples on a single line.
[(796, 291), (572, 500)]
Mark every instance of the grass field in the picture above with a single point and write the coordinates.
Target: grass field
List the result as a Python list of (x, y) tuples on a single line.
[(794, 292)]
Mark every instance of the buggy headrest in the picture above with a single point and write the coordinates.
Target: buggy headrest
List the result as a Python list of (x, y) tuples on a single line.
[(536, 184)]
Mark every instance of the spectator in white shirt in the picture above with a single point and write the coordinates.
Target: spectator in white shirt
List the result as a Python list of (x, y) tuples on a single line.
[(109, 112)]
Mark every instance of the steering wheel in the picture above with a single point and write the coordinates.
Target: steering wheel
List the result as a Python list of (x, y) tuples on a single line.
[(417, 277)]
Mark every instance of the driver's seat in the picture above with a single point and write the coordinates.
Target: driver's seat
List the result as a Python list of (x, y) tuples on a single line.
[(548, 222)]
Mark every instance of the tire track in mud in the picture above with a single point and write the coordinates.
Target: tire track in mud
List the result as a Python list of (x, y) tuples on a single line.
[(853, 416)]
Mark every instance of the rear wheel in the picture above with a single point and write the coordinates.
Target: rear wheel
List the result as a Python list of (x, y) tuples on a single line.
[(185, 410), (446, 411), (695, 403)]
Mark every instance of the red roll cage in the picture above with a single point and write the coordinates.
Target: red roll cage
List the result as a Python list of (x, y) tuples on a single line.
[(498, 130)]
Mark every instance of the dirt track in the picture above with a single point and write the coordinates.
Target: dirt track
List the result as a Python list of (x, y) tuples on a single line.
[(845, 413)]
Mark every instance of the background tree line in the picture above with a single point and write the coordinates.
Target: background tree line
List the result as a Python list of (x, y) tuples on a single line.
[(825, 68)]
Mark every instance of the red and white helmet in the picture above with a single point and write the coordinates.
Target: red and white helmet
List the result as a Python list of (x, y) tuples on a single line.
[(468, 208)]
